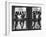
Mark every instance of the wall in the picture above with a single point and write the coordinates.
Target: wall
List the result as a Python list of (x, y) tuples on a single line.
[(22, 33)]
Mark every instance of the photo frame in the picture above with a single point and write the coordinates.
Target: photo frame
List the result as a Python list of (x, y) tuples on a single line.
[(9, 11)]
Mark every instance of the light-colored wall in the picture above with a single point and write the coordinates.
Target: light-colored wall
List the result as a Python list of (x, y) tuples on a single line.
[(22, 33)]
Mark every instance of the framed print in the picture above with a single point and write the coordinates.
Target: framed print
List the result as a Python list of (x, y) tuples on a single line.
[(23, 17), (26, 18)]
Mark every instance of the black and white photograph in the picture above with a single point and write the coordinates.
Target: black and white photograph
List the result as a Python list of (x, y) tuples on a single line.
[(26, 18), (23, 18)]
